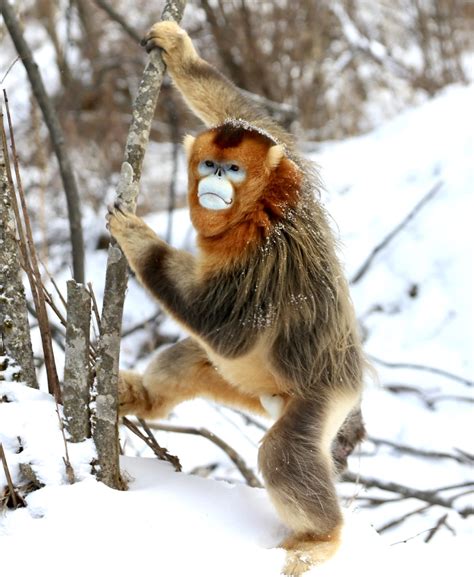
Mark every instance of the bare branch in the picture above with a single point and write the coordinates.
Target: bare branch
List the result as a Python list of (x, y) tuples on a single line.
[(429, 496), (116, 17), (151, 441), (238, 461), (402, 518), (463, 459), (383, 243), (56, 134), (418, 367), (441, 521), (106, 430), (14, 325), (8, 69), (30, 263), (16, 499)]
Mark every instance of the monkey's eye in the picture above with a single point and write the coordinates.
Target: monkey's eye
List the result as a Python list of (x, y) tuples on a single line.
[(206, 167), (235, 173)]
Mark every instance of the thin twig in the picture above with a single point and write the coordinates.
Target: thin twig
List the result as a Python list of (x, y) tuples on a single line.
[(420, 452), (56, 134), (238, 461), (441, 521), (400, 520), (31, 263), (426, 368), (383, 243), (116, 17), (8, 477), (152, 443), (8, 69), (95, 308), (142, 324), (429, 496)]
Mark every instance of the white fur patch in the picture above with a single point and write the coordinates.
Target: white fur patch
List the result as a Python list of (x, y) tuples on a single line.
[(273, 404)]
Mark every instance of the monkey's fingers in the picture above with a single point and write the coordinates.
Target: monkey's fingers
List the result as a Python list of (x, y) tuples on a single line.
[(163, 35)]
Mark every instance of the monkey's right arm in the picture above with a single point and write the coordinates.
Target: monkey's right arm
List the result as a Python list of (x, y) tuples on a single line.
[(210, 95)]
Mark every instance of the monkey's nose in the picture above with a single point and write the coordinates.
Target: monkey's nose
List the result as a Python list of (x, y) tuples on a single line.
[(218, 172)]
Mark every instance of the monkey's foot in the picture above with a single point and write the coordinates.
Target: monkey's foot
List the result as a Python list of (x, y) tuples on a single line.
[(132, 395), (305, 551)]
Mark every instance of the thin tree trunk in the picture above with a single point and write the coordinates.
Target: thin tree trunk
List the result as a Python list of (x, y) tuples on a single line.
[(76, 395), (56, 134), (106, 428), (15, 342)]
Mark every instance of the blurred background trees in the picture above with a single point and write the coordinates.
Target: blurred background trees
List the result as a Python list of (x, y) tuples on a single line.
[(339, 66)]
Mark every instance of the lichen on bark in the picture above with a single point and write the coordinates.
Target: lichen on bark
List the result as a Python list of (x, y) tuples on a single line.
[(14, 326)]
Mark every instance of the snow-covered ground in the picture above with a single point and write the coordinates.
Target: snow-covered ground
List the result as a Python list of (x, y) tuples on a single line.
[(415, 307)]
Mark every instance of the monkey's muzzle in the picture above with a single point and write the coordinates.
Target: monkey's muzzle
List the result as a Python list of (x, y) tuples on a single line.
[(215, 192)]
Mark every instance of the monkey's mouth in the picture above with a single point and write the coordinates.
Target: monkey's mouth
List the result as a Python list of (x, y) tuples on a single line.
[(213, 201)]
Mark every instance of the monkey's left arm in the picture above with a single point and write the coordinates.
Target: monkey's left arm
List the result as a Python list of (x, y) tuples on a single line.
[(165, 271)]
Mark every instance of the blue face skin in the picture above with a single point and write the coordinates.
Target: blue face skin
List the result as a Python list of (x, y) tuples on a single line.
[(215, 189)]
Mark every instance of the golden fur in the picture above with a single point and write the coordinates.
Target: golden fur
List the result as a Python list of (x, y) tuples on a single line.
[(265, 304)]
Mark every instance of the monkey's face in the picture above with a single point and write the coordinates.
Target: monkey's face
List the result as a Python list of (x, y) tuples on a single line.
[(230, 179), (215, 190)]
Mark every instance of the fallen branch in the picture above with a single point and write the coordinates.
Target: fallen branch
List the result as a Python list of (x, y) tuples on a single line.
[(238, 461), (56, 135), (384, 243)]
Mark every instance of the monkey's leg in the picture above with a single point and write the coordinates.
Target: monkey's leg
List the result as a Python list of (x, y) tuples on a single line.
[(296, 463), (181, 372)]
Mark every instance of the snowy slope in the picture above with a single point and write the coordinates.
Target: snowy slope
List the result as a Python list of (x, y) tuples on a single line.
[(181, 525), (184, 525)]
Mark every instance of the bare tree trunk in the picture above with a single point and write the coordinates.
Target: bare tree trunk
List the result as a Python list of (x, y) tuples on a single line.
[(76, 396), (106, 428), (56, 134), (14, 327)]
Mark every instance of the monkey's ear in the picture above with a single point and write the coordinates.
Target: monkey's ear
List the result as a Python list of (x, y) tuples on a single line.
[(275, 154), (188, 143)]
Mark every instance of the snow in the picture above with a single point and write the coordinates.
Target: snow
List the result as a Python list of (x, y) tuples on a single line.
[(185, 525), (162, 515)]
